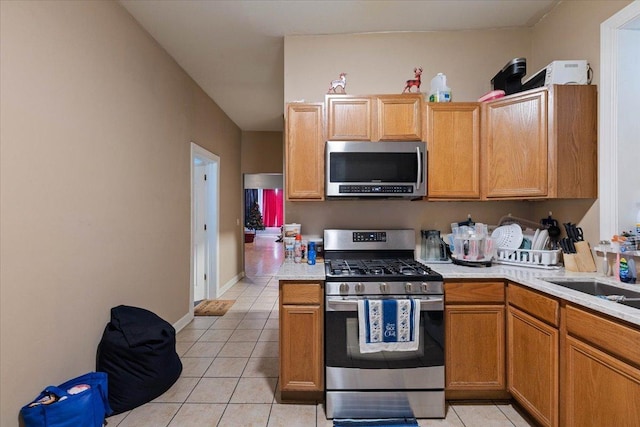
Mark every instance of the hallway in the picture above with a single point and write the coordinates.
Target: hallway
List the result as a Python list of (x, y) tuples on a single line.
[(264, 256)]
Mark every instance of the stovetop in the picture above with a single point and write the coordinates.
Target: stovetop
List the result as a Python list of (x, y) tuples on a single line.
[(398, 269)]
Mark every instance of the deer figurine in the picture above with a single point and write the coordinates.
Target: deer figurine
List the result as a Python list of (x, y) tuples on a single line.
[(341, 82), (414, 82)]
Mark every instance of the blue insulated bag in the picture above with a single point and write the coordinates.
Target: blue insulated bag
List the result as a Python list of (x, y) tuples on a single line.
[(80, 402)]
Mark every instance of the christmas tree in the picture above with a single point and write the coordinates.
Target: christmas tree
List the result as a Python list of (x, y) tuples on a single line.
[(254, 222)]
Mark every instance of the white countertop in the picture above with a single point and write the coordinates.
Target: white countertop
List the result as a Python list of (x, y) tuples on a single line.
[(530, 277), (535, 279), (298, 271)]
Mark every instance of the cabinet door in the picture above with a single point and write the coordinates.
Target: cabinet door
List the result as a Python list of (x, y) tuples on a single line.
[(349, 118), (301, 357), (453, 150), (399, 117), (475, 347), (515, 150), (600, 390), (532, 354), (573, 146), (304, 152)]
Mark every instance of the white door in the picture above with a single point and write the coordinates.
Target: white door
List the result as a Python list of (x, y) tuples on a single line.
[(200, 247), (204, 224)]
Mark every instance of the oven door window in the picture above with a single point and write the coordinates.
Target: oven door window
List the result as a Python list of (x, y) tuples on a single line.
[(343, 350)]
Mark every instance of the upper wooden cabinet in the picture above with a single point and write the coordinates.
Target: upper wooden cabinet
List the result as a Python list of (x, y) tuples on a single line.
[(399, 117), (349, 118), (452, 131), (374, 118), (304, 151), (541, 143)]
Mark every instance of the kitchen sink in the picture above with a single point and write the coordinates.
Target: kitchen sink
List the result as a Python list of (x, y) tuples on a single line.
[(594, 287), (634, 304)]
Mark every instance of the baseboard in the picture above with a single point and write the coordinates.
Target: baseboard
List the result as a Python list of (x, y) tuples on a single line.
[(184, 321), (235, 279)]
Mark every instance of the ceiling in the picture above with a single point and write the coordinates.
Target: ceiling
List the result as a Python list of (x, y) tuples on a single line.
[(235, 49)]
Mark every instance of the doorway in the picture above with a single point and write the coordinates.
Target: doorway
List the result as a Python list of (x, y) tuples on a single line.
[(263, 204), (618, 155), (205, 203)]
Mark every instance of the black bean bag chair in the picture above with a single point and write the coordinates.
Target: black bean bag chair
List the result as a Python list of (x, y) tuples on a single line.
[(138, 353)]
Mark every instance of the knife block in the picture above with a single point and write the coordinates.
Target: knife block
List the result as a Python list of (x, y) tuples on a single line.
[(582, 260)]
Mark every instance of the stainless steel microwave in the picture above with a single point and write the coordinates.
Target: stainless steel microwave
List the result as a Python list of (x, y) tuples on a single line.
[(375, 169)]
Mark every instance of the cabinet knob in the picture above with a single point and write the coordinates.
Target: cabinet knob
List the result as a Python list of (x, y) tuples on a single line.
[(384, 288)]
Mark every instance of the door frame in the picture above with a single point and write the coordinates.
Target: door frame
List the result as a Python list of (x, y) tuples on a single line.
[(608, 110), (212, 165)]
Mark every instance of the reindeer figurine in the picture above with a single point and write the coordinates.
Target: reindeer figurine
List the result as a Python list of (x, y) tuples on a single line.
[(415, 82), (341, 82)]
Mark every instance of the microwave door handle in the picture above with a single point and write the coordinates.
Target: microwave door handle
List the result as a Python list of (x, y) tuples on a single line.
[(419, 168)]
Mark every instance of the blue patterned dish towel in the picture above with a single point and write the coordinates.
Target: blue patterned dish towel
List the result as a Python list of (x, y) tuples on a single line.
[(388, 324)]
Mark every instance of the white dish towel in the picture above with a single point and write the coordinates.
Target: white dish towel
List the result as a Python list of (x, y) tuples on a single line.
[(388, 325)]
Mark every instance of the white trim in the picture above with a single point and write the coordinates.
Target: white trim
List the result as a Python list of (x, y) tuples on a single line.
[(184, 321), (608, 129), (235, 279)]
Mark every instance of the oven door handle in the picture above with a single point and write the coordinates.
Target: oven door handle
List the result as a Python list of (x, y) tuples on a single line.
[(429, 304)]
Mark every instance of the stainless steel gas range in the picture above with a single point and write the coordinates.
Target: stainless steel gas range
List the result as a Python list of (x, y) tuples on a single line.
[(374, 265)]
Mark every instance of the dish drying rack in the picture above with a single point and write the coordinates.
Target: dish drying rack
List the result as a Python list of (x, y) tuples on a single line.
[(544, 259)]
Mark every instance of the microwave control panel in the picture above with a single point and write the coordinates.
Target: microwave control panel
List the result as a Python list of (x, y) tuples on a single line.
[(376, 189)]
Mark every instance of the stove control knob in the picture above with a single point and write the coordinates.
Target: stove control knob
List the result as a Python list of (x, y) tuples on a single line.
[(384, 288), (359, 288), (344, 288), (425, 287), (408, 287)]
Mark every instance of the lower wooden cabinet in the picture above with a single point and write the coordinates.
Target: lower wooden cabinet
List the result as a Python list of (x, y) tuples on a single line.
[(475, 340), (301, 340), (601, 378), (533, 365), (533, 352)]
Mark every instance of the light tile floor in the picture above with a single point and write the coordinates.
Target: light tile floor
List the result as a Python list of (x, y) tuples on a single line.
[(230, 368)]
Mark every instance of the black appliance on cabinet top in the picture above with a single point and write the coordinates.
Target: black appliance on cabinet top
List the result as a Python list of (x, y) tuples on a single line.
[(509, 78), (380, 264)]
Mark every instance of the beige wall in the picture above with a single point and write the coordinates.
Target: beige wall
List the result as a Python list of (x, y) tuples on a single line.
[(262, 152), (96, 125), (380, 63)]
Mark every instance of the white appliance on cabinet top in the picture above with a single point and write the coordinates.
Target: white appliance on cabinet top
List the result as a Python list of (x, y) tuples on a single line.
[(560, 73)]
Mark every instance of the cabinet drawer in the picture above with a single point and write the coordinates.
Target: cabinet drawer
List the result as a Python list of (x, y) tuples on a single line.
[(615, 338), (540, 306), (300, 293), (474, 292)]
